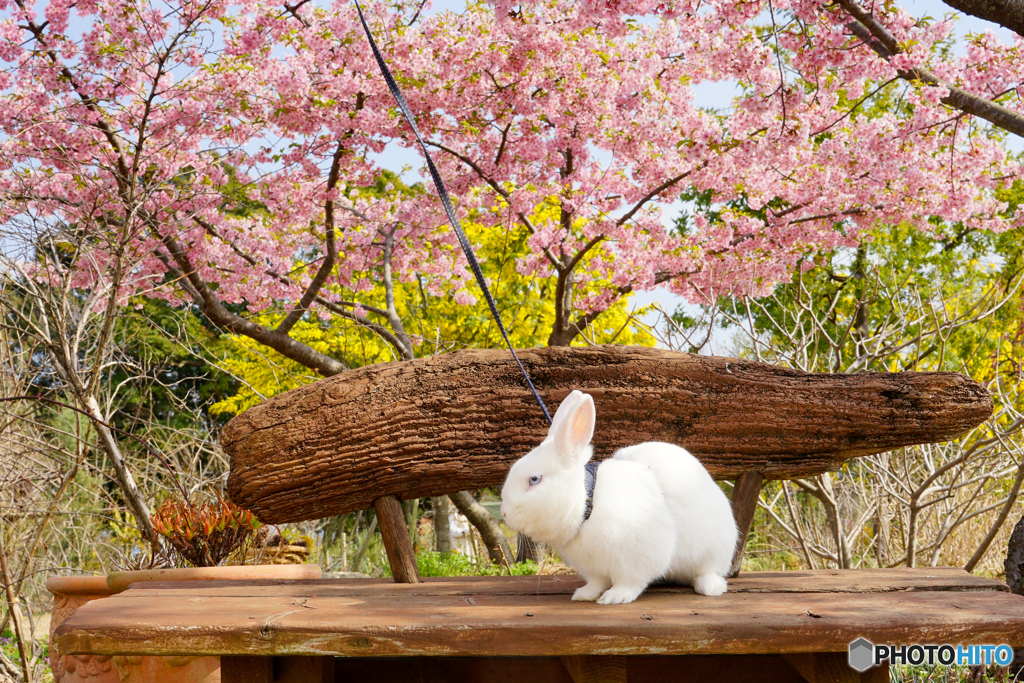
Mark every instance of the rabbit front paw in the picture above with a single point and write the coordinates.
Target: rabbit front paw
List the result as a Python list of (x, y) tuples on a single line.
[(620, 595), (592, 591)]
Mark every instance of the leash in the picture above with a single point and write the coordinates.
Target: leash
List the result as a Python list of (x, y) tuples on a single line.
[(442, 192)]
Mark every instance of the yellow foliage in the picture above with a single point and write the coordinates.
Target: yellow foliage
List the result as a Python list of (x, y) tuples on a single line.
[(437, 324)]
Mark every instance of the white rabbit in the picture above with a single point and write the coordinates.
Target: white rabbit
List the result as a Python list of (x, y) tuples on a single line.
[(656, 514)]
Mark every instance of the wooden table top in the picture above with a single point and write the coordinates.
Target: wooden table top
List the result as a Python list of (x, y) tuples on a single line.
[(763, 612)]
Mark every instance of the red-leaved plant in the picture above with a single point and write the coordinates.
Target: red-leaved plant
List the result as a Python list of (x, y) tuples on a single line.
[(206, 534)]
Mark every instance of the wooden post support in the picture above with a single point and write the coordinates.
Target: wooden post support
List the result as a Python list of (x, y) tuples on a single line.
[(744, 502), (596, 668), (833, 667), (236, 669), (391, 523), (304, 669)]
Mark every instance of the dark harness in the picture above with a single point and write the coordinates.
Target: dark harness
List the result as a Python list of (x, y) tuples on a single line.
[(589, 481)]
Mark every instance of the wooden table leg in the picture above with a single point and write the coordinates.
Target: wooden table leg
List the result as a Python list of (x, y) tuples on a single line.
[(745, 493), (395, 533), (596, 668), (304, 669), (234, 669), (834, 667)]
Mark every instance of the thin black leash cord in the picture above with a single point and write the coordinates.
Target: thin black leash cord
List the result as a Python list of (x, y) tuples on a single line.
[(443, 194)]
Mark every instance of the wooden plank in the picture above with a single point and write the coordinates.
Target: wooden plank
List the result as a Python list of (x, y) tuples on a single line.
[(409, 620), (457, 421), (596, 668), (244, 669), (810, 581), (395, 535), (744, 504)]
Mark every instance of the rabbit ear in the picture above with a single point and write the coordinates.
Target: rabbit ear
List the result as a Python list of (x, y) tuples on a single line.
[(573, 433), (564, 409)]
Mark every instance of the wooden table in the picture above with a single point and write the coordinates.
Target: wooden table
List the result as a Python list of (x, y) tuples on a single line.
[(770, 626)]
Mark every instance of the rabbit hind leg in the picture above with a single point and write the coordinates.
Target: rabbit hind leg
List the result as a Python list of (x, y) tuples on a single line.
[(710, 584)]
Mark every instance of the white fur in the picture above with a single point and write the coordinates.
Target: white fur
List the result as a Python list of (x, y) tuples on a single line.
[(657, 513)]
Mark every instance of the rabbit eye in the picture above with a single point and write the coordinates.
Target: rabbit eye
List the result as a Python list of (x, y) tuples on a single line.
[(534, 480)]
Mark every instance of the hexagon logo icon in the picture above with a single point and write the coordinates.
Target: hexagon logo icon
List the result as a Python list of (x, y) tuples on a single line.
[(862, 654)]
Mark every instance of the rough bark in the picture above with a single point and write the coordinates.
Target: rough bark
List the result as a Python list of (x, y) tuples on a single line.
[(455, 422), (1007, 13)]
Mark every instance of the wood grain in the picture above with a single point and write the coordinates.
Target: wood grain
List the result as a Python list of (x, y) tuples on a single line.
[(395, 535), (953, 579), (596, 668), (457, 421), (494, 616)]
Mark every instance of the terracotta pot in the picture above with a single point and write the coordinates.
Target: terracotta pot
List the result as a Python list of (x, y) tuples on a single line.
[(118, 581), (71, 592)]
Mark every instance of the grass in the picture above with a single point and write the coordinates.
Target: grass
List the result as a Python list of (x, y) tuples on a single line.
[(943, 674), (432, 563)]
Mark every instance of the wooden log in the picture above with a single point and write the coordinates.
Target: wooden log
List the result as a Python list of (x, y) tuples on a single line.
[(454, 422), (395, 535), (744, 504)]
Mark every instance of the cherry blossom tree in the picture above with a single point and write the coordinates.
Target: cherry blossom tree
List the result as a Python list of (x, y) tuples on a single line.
[(234, 141)]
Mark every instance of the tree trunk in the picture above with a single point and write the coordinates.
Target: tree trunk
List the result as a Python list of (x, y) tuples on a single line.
[(1014, 564), (1007, 13), (442, 530), (490, 532), (458, 421), (1015, 580), (133, 497)]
